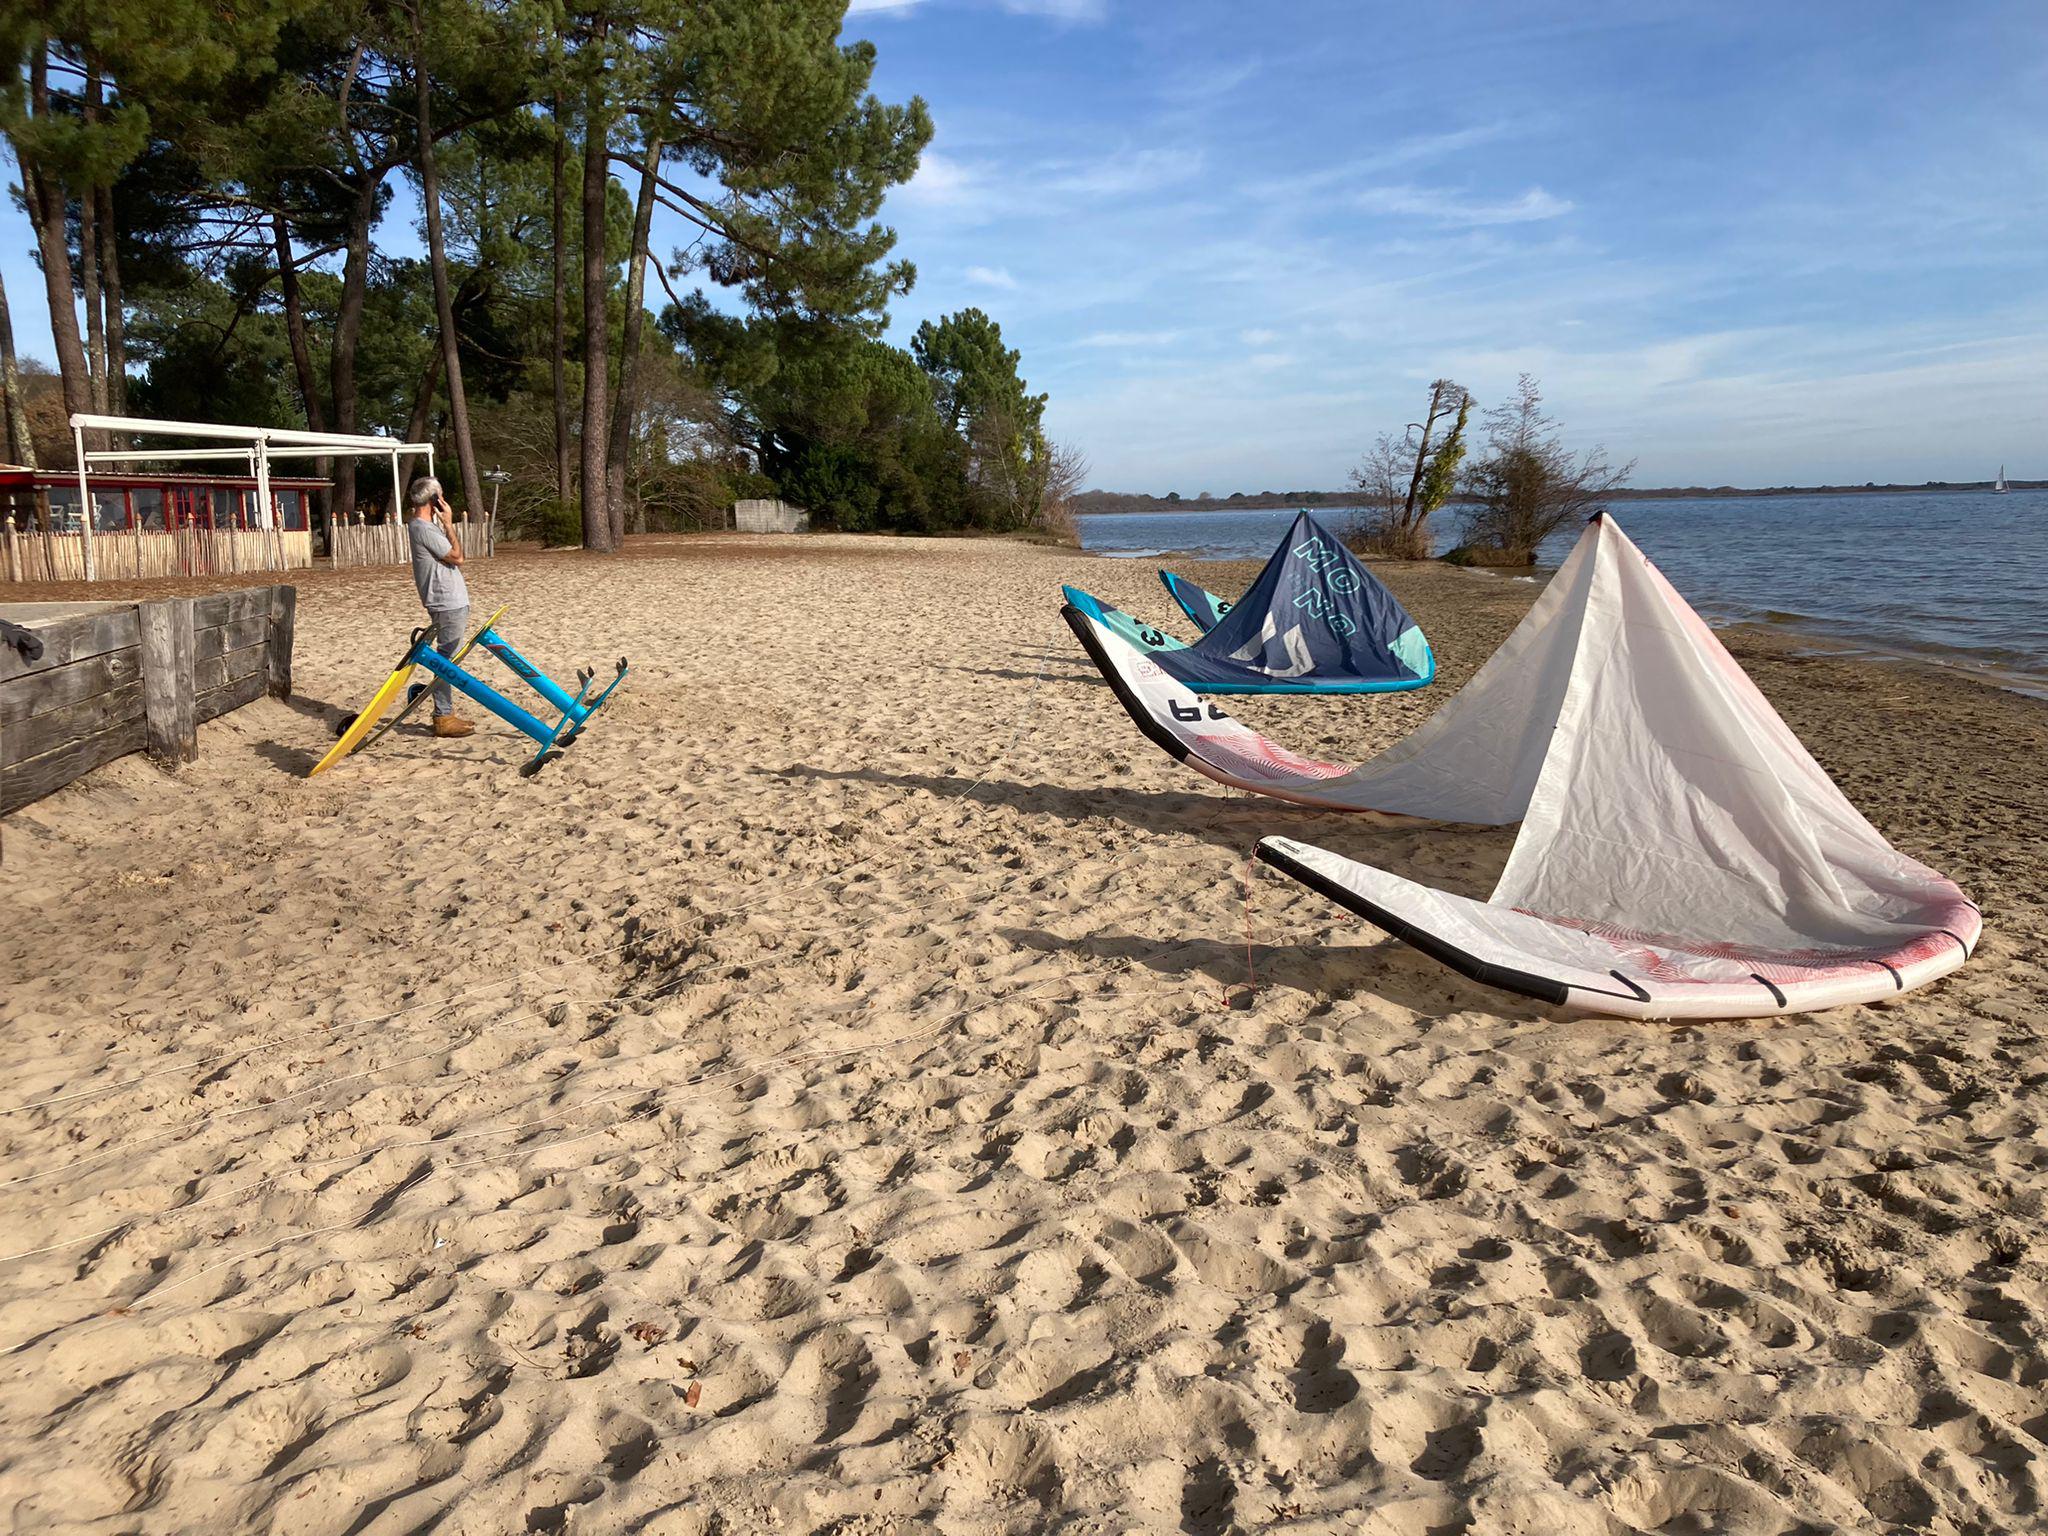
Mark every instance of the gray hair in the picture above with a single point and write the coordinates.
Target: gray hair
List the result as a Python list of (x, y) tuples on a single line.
[(424, 492)]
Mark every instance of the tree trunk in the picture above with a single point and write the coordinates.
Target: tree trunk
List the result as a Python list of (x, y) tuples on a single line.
[(348, 326), (621, 455), (558, 363), (420, 421), (89, 258), (21, 443), (45, 200), (444, 297), (310, 401), (111, 295), (597, 527), (295, 325), (1421, 454), (21, 440), (302, 347)]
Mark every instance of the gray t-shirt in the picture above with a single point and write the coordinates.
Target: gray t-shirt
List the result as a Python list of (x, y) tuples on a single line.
[(441, 586)]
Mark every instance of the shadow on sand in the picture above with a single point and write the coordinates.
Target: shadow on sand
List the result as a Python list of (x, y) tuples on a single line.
[(1221, 820), (1468, 866), (298, 761)]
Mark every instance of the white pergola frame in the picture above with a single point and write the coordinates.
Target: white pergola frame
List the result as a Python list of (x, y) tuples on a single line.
[(259, 445)]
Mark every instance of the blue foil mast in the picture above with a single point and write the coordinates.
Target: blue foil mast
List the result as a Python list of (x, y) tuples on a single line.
[(573, 712), (573, 707)]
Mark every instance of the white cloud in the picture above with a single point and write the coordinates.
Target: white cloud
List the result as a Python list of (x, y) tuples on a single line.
[(1442, 206), (941, 182), (1129, 339), (1258, 338), (1201, 86), (1754, 405), (992, 277), (1124, 171), (1432, 146), (989, 190), (1058, 10), (1414, 150)]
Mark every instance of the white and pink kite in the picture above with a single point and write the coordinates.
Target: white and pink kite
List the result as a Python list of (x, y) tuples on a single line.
[(1681, 855)]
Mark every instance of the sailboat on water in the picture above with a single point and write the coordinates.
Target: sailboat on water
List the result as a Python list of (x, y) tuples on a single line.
[(1999, 484)]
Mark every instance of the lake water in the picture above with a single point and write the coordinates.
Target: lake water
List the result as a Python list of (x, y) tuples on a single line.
[(1959, 578)]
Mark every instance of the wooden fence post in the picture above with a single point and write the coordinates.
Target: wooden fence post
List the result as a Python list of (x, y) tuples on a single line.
[(277, 654), (169, 717)]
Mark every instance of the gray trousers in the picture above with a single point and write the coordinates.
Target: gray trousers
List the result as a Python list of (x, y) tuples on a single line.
[(451, 628)]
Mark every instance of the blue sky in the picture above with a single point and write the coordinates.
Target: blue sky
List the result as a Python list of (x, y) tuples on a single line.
[(1738, 243)]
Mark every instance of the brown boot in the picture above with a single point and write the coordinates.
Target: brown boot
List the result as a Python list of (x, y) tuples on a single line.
[(452, 725)]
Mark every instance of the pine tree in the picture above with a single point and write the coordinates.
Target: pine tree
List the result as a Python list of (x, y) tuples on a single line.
[(74, 130), (982, 397), (759, 97)]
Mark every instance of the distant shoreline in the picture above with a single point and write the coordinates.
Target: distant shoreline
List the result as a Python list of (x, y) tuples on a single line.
[(1108, 503)]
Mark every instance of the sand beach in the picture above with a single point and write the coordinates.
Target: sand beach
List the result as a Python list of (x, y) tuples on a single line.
[(866, 1087)]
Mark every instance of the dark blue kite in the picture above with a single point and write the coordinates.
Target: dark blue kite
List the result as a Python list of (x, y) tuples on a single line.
[(1316, 621), (1202, 606)]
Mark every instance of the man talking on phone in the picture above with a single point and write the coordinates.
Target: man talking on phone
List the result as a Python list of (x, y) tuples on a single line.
[(437, 572)]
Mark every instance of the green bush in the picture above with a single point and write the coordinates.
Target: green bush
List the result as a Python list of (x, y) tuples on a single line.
[(1483, 555), (558, 524)]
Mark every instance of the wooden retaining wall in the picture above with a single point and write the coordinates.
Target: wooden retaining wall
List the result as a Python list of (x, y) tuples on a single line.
[(136, 677)]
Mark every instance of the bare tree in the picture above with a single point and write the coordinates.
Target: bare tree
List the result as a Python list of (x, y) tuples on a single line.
[(1378, 528), (21, 443), (45, 416), (1064, 471), (1006, 465), (1397, 519), (1528, 485), (1446, 398)]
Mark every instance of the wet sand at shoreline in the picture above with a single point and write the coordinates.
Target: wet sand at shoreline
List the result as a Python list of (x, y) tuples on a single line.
[(860, 1089)]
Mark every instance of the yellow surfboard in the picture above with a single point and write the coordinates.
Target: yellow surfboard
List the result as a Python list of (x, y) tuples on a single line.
[(373, 711), (359, 729), (413, 702)]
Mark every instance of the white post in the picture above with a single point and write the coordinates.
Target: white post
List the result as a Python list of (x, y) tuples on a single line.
[(261, 454), (84, 497), (397, 489)]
